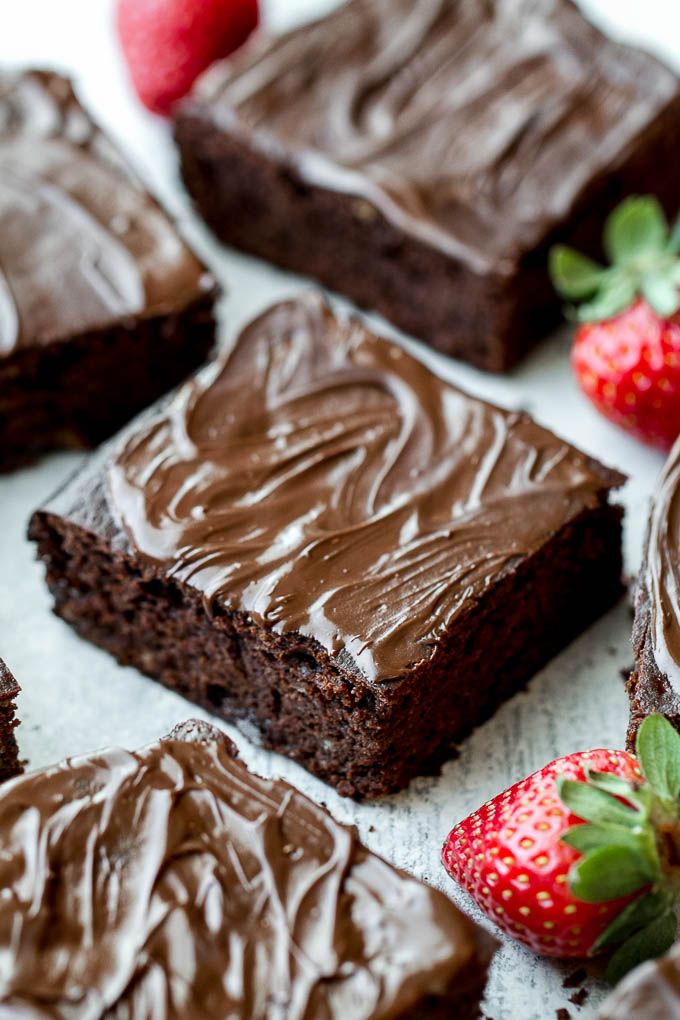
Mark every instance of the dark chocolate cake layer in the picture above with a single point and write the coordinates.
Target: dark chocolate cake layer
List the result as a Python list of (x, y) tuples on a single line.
[(173, 882), (322, 540), (9, 752), (103, 308), (420, 156), (650, 992), (654, 685)]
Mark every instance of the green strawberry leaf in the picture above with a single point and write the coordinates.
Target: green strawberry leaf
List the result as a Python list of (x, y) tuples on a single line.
[(616, 294), (674, 239), (595, 805), (658, 751), (649, 942), (661, 292), (638, 226), (610, 783), (574, 276), (586, 838), (610, 872), (635, 915)]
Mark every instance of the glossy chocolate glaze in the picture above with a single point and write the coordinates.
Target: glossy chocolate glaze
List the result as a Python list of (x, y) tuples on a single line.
[(82, 243), (474, 124), (650, 992), (323, 481), (661, 571), (173, 883)]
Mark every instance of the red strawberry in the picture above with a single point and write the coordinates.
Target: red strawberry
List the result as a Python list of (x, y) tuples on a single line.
[(582, 855), (168, 43), (626, 355)]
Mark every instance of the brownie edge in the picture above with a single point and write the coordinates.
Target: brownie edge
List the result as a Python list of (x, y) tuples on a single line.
[(216, 893), (9, 752), (654, 685)]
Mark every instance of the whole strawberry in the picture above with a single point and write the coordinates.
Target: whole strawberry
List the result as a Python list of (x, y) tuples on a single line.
[(168, 43), (626, 353), (584, 854)]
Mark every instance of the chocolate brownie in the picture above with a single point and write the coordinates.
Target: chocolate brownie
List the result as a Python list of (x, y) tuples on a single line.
[(323, 541), (102, 306), (173, 882), (654, 685), (421, 156), (650, 992), (9, 752)]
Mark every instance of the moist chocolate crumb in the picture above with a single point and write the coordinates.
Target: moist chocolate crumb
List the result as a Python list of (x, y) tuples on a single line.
[(576, 978), (625, 673), (563, 1014), (579, 997)]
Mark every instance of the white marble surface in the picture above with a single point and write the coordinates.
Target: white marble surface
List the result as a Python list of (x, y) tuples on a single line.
[(75, 698)]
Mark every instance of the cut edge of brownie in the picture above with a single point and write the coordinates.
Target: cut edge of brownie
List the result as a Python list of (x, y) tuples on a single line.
[(289, 694), (255, 199), (649, 689), (9, 752), (76, 392)]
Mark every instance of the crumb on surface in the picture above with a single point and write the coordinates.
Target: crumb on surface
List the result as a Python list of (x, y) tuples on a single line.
[(575, 978)]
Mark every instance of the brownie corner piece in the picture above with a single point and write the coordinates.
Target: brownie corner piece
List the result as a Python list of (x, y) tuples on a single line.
[(10, 765), (320, 540), (103, 307), (426, 178), (654, 685), (276, 911)]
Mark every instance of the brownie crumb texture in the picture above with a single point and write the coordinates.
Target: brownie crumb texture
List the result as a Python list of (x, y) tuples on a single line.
[(9, 752)]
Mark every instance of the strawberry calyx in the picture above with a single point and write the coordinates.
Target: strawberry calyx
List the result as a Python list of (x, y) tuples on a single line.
[(643, 251), (630, 842)]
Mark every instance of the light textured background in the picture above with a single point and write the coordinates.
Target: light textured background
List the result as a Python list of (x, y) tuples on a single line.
[(75, 698)]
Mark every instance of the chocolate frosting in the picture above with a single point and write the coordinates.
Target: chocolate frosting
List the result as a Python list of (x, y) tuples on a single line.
[(474, 124), (661, 573), (82, 243), (650, 992), (173, 883), (323, 481)]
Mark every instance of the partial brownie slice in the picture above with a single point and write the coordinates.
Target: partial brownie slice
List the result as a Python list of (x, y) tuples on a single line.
[(103, 307), (321, 540), (654, 685), (421, 156), (9, 752), (175, 878), (650, 992)]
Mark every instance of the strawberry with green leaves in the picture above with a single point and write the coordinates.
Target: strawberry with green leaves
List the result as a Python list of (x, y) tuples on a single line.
[(584, 855), (626, 353)]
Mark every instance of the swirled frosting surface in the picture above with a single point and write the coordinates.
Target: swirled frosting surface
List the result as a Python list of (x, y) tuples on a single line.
[(172, 883), (82, 244), (323, 481), (662, 572), (474, 123)]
